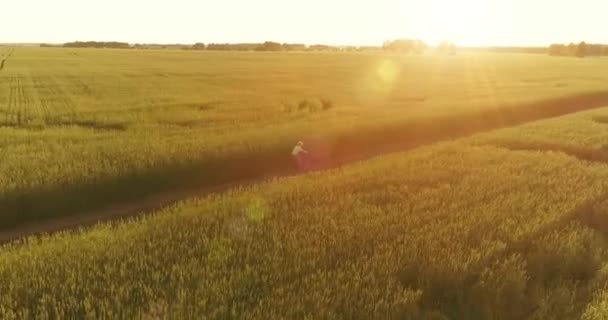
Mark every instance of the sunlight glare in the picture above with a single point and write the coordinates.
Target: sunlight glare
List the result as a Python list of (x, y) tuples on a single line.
[(388, 71), (463, 22)]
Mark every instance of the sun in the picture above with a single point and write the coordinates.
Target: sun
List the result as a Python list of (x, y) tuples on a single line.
[(465, 22)]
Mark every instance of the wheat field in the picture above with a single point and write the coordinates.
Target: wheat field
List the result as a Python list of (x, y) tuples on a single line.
[(503, 225), (82, 128)]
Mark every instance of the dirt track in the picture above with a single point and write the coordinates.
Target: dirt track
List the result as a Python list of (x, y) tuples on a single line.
[(3, 59), (346, 149)]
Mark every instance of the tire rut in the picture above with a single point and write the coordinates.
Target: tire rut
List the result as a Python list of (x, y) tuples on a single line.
[(5, 58)]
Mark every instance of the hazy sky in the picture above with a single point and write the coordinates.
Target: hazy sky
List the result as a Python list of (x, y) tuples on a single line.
[(467, 22)]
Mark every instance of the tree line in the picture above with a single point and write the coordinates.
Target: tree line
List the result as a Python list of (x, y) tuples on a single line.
[(409, 46), (415, 46), (265, 46), (399, 45), (405, 46), (271, 46), (97, 44), (581, 49)]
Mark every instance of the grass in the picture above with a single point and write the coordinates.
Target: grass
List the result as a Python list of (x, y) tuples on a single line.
[(83, 128), (469, 229)]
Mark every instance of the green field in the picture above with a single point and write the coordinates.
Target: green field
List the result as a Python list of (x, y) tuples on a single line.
[(84, 128), (510, 224), (505, 224)]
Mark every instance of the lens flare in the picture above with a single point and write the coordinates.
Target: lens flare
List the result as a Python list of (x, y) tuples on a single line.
[(388, 71)]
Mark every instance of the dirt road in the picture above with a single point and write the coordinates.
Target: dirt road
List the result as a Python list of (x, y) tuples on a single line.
[(345, 149)]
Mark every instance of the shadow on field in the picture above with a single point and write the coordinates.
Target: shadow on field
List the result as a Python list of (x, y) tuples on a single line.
[(554, 269), (581, 153), (600, 119), (18, 121), (182, 181), (407, 135), (36, 211)]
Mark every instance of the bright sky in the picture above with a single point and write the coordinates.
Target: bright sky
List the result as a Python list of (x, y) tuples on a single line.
[(356, 22)]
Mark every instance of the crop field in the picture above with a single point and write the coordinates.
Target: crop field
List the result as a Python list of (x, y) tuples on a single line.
[(510, 224), (80, 128)]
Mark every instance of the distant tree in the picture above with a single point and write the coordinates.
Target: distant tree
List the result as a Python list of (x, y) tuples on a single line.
[(199, 46), (571, 49), (322, 47), (368, 48), (269, 46), (535, 50), (419, 47), (557, 49), (293, 47), (581, 50), (594, 50), (405, 46), (233, 46), (447, 47), (96, 44), (215, 46)]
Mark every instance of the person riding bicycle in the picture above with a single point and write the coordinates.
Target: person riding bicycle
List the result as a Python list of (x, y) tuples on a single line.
[(299, 155)]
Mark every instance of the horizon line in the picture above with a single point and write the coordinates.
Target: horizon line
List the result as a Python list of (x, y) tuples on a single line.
[(301, 43)]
